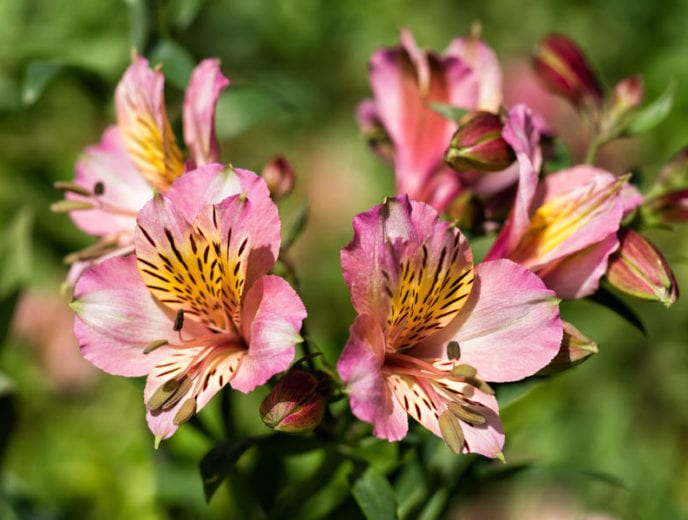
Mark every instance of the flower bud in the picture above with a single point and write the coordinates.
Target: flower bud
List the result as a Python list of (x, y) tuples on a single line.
[(670, 207), (674, 174), (575, 348), (279, 176), (562, 66), (478, 144), (628, 94), (298, 401), (639, 269)]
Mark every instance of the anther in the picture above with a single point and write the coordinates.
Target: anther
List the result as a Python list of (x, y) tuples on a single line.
[(179, 320), (185, 412), (72, 188), (467, 414), (453, 350), (65, 206), (452, 434), (153, 345), (99, 188)]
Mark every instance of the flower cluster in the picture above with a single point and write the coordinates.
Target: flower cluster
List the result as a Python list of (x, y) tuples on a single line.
[(178, 286)]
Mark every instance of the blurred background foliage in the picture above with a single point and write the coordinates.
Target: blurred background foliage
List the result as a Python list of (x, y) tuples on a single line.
[(609, 437)]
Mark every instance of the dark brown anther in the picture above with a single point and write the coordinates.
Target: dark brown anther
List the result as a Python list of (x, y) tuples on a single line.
[(179, 320), (99, 188)]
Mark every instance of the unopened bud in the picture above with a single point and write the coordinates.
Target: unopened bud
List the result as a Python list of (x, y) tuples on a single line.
[(674, 174), (478, 144), (562, 66), (669, 207), (575, 348), (279, 176), (639, 269), (628, 93), (297, 403)]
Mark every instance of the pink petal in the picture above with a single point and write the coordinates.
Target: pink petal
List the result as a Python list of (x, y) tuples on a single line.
[(507, 331), (116, 318), (360, 367), (125, 190), (485, 65), (578, 275), (211, 184), (521, 133), (200, 101), (142, 119), (271, 320)]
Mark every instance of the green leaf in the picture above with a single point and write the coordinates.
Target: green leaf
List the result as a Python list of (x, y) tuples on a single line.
[(510, 393), (217, 463), (39, 75), (448, 111), (375, 496), (8, 412), (650, 116), (15, 253), (184, 12), (241, 107), (295, 225), (177, 63)]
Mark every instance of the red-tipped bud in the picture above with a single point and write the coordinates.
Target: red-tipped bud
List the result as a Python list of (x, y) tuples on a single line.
[(562, 66), (478, 144), (628, 94), (639, 269), (674, 174), (670, 207), (279, 176), (298, 401), (575, 348)]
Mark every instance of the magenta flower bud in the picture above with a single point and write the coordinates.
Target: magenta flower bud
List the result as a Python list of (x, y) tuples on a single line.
[(628, 93), (297, 403), (562, 66), (575, 348), (670, 207), (674, 174), (639, 269), (279, 176), (478, 144)]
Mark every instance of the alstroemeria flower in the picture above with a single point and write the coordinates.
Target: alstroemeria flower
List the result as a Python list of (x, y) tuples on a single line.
[(432, 328), (406, 82), (565, 227), (116, 177), (194, 308)]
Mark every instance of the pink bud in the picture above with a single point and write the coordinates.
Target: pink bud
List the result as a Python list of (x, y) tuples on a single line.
[(298, 401), (478, 144), (562, 66), (575, 348), (279, 176), (628, 93), (639, 269), (670, 207)]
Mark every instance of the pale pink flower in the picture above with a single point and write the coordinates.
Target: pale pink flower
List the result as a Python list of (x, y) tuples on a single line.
[(194, 308), (564, 227), (116, 177), (432, 328), (406, 83)]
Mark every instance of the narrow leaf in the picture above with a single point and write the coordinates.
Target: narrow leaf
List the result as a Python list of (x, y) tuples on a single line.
[(650, 116), (217, 463), (448, 111), (375, 496), (610, 300)]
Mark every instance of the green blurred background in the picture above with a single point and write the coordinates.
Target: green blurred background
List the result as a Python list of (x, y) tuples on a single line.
[(609, 437)]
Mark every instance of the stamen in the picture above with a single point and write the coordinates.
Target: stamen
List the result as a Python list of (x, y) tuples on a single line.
[(72, 188), (185, 412), (153, 345), (452, 434), (169, 393), (65, 206), (468, 414), (99, 188), (454, 350), (179, 320), (465, 371)]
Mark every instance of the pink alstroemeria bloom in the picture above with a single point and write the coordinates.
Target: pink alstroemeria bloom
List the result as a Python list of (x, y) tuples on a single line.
[(565, 227), (194, 308), (432, 328), (116, 177), (406, 82)]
